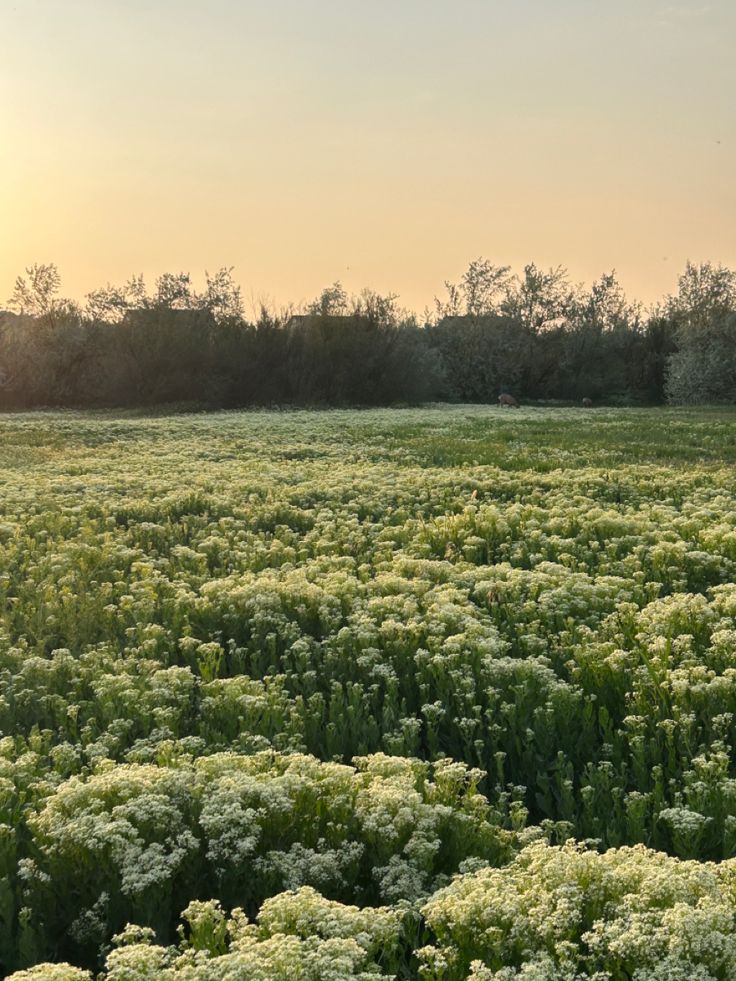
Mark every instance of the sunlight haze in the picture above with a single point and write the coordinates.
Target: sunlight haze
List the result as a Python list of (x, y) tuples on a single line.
[(383, 143)]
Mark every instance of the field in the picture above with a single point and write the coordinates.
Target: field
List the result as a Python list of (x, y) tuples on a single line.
[(438, 693)]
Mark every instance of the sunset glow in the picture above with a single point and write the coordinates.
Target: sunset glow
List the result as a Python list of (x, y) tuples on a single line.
[(384, 144)]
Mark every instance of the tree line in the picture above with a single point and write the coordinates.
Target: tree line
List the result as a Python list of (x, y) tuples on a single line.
[(533, 334)]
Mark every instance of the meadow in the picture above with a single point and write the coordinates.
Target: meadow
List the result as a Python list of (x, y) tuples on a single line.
[(435, 693)]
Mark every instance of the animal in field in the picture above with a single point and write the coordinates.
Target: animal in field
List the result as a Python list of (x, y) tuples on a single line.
[(505, 399), (587, 403)]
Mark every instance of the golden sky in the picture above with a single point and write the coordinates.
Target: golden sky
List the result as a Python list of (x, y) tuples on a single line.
[(385, 143)]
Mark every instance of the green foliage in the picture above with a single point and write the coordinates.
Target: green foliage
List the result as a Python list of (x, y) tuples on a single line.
[(703, 370), (130, 843), (322, 692), (571, 913), (534, 334)]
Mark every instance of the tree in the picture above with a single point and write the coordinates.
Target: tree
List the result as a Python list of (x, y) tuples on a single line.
[(107, 304), (539, 300), (704, 316), (703, 370), (539, 303), (606, 308), (596, 346), (484, 285), (174, 291), (453, 305), (222, 296), (705, 294), (35, 295), (44, 351), (479, 292), (332, 302), (481, 355)]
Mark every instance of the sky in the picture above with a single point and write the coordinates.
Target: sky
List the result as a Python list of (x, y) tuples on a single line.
[(382, 143)]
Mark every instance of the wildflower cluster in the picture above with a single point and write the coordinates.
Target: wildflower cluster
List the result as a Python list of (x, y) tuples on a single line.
[(311, 664)]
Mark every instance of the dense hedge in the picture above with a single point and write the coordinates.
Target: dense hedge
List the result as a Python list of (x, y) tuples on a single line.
[(535, 335)]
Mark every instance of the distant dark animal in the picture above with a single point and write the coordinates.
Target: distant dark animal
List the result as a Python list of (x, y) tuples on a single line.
[(505, 399), (587, 403)]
